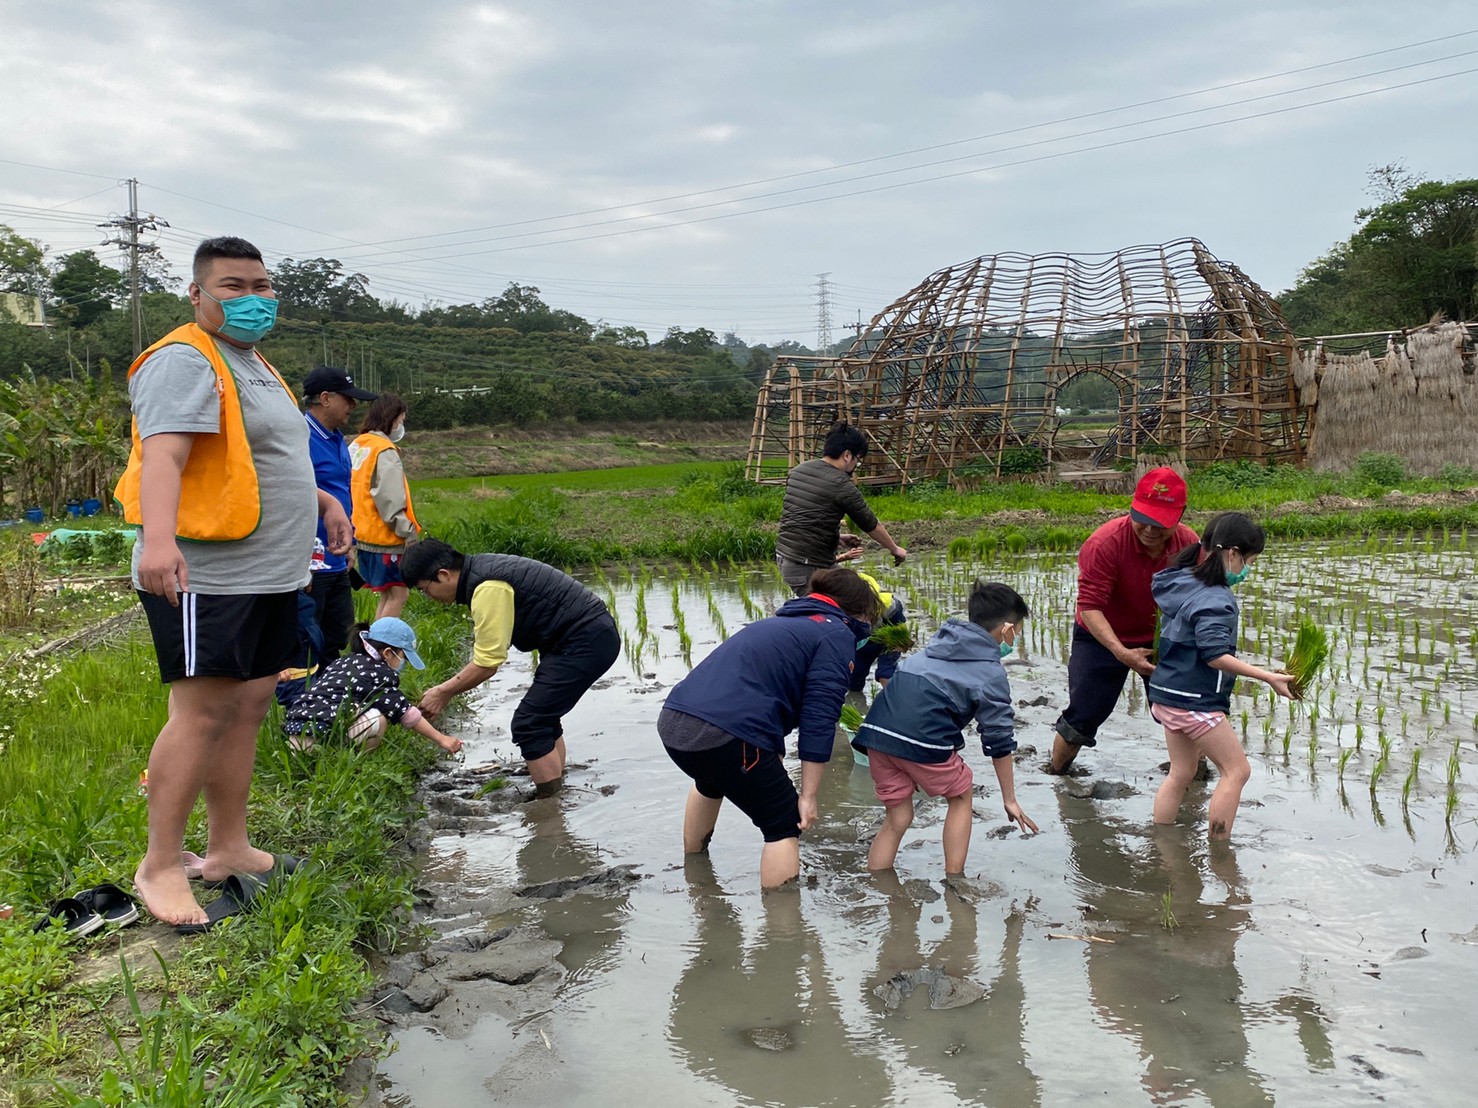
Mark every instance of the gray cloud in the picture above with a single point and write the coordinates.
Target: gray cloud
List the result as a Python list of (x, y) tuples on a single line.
[(461, 129)]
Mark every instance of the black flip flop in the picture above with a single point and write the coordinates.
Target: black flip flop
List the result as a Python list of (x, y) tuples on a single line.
[(236, 897), (78, 918), (117, 908), (283, 865)]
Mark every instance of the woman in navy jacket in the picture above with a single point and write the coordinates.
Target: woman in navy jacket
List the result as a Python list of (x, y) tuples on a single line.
[(725, 723)]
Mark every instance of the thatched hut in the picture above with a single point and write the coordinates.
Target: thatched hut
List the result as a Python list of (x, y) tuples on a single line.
[(963, 373), (1417, 399)]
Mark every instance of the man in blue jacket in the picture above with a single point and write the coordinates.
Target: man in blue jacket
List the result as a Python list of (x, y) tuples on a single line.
[(914, 731), (331, 396), (724, 725)]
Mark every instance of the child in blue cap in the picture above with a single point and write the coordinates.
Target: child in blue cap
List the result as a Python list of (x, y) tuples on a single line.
[(364, 687)]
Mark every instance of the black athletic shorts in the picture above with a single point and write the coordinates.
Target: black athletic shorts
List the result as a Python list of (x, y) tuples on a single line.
[(749, 777), (244, 637)]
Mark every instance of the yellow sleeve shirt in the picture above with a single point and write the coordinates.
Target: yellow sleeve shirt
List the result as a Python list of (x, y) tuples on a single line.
[(492, 623)]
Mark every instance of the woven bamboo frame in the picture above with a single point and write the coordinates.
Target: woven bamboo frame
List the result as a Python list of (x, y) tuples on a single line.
[(967, 366)]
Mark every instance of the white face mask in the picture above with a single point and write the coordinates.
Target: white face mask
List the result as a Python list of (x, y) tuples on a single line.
[(397, 432)]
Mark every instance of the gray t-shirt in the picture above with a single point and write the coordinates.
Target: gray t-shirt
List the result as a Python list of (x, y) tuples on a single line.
[(175, 391)]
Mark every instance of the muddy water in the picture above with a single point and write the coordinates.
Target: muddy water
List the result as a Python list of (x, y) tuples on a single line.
[(1328, 955)]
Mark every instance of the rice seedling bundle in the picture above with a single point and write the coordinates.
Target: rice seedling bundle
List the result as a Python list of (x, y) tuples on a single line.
[(1310, 653), (851, 719), (892, 637)]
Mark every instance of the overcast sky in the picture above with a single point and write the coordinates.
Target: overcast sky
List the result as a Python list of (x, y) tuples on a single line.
[(698, 163)]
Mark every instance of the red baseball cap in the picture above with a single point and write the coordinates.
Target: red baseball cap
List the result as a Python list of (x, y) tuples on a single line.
[(1159, 498)]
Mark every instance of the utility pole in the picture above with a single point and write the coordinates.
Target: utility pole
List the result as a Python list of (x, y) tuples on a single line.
[(823, 314), (127, 239)]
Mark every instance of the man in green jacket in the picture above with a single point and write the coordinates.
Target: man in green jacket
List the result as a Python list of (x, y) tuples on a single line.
[(817, 494)]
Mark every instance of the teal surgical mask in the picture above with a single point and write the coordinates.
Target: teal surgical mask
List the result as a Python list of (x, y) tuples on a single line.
[(1238, 577), (1007, 649), (246, 318)]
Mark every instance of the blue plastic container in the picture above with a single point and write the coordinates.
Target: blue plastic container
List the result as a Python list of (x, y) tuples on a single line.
[(74, 508), (35, 515), (92, 506)]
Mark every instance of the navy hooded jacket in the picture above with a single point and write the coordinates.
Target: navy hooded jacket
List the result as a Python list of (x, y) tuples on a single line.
[(1198, 624), (775, 675), (922, 713)]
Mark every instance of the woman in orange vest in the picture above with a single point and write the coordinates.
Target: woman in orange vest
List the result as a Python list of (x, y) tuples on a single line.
[(383, 518)]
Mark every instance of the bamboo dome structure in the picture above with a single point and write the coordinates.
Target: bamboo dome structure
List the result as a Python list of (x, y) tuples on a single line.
[(963, 373)]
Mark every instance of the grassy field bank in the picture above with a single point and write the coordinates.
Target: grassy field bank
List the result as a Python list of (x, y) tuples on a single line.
[(554, 447)]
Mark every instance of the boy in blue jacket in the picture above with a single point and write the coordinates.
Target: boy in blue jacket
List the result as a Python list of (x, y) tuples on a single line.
[(724, 725), (914, 731)]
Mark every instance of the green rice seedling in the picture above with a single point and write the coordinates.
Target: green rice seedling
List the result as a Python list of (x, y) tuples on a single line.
[(1344, 759), (1287, 739), (1309, 655), (716, 614), (1245, 718), (1426, 700), (1411, 775), (1167, 912), (893, 637), (1313, 746), (986, 543), (1015, 542), (641, 610), (960, 549), (851, 719)]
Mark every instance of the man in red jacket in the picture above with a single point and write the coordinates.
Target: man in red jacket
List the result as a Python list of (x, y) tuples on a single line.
[(1115, 625)]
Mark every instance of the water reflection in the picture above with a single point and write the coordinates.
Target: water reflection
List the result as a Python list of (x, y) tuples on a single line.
[(1170, 978), (967, 1032), (760, 1014), (589, 920)]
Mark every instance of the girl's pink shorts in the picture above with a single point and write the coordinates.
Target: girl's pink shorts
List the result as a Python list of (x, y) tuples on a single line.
[(895, 780), (1191, 724)]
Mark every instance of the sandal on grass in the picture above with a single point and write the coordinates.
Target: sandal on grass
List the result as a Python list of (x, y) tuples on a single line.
[(115, 906), (283, 865), (236, 898), (72, 914)]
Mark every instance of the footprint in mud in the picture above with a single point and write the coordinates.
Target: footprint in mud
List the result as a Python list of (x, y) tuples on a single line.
[(611, 880), (1100, 790), (945, 990), (770, 1038)]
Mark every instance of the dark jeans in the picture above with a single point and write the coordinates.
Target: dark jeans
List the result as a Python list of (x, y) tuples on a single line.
[(1095, 678), (333, 608)]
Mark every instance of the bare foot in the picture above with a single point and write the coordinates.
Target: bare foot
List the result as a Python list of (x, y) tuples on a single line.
[(1063, 753), (217, 865), (166, 893)]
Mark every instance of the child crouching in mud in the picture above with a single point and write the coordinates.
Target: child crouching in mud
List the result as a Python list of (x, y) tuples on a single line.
[(1190, 691), (365, 686), (915, 728)]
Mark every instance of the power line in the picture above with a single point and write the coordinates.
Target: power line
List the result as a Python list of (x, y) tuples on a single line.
[(945, 145)]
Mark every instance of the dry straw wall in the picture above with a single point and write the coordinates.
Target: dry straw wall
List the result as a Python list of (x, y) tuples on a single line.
[(1417, 400)]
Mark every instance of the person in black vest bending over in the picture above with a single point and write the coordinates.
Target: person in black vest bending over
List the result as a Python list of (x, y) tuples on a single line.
[(525, 604)]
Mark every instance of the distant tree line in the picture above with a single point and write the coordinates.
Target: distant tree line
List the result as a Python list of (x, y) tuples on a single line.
[(1414, 255)]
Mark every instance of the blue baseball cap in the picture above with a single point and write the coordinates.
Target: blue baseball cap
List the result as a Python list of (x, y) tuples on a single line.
[(397, 633)]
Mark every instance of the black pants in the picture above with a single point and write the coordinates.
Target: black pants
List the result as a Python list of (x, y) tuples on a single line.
[(1095, 678), (333, 604), (564, 675)]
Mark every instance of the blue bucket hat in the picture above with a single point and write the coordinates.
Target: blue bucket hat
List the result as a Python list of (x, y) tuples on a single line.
[(397, 633)]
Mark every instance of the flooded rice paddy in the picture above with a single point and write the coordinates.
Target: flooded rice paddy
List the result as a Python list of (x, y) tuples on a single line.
[(1329, 954)]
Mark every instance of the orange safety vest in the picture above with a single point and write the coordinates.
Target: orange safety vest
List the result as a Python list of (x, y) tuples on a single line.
[(220, 500), (364, 455)]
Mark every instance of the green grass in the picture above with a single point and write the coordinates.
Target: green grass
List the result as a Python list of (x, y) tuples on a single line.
[(619, 478), (271, 994)]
